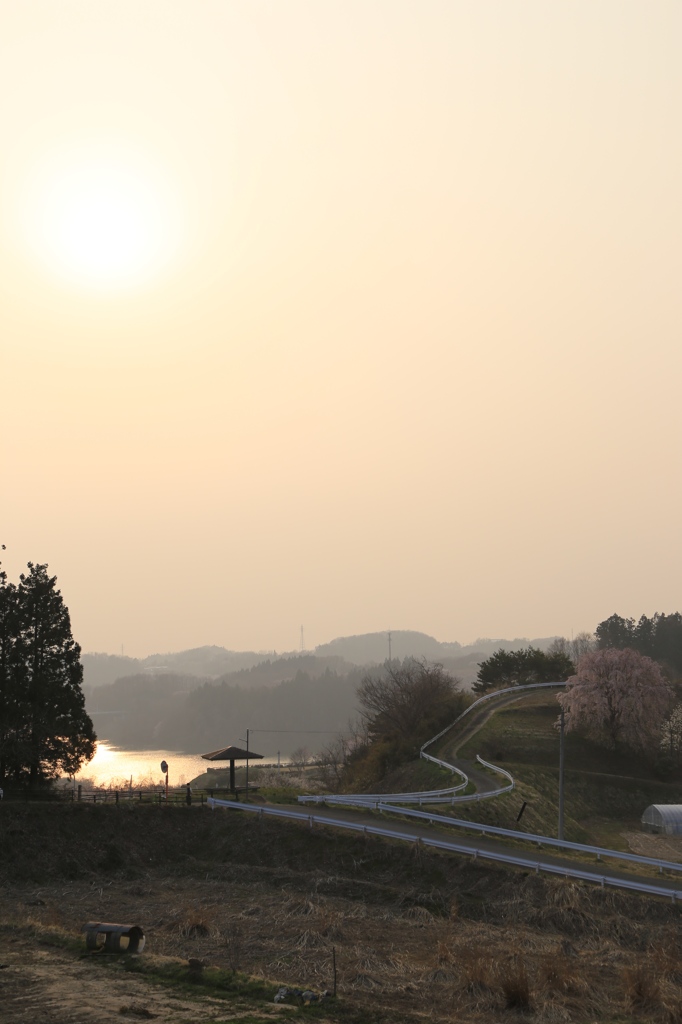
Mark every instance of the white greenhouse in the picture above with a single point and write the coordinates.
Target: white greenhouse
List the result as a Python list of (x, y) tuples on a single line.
[(664, 818)]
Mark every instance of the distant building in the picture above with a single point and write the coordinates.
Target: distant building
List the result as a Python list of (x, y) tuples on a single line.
[(663, 818)]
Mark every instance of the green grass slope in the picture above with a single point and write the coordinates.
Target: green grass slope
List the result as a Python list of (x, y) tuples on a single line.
[(605, 790)]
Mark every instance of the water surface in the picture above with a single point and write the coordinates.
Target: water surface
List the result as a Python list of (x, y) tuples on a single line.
[(114, 767)]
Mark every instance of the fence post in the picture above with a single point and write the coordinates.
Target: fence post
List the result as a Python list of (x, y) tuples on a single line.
[(79, 791), (116, 796)]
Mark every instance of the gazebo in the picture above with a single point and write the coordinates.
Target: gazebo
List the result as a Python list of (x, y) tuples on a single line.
[(233, 754)]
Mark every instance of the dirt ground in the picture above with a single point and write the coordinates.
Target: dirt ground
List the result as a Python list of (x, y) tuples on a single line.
[(415, 934), (647, 845), (406, 961), (46, 985)]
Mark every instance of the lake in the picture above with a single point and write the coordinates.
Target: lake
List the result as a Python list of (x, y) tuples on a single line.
[(115, 767)]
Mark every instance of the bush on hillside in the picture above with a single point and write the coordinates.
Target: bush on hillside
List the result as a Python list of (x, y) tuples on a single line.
[(403, 705)]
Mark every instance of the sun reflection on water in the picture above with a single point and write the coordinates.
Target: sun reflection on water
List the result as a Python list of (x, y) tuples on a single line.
[(114, 767)]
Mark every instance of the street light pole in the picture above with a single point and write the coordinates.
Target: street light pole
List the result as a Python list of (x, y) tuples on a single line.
[(561, 775)]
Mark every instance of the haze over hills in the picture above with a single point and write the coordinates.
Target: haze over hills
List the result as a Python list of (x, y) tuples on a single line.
[(200, 662), (368, 648), (214, 662), (373, 648), (190, 701)]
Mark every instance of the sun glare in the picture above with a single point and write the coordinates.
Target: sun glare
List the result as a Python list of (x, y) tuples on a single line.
[(101, 220)]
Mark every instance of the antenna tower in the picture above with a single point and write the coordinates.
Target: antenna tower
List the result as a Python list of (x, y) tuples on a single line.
[(302, 640)]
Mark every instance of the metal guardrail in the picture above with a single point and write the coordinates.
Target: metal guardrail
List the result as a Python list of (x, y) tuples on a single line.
[(388, 803), (537, 865), (477, 703), (434, 796), (530, 837)]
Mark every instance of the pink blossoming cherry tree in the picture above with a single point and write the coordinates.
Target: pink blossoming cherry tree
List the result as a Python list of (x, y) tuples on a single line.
[(618, 697)]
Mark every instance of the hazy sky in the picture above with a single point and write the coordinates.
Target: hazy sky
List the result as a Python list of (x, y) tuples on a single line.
[(347, 314)]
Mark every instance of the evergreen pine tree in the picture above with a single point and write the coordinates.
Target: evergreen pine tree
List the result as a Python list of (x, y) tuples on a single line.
[(45, 730)]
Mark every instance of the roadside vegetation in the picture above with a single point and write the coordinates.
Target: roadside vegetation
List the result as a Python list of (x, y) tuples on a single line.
[(402, 705), (266, 903), (606, 790)]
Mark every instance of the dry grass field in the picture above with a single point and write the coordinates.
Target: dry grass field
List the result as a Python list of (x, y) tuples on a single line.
[(416, 935)]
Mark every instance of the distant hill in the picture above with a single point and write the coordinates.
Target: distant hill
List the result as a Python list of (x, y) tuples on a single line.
[(265, 669), (184, 713), (372, 648), (202, 662), (158, 701)]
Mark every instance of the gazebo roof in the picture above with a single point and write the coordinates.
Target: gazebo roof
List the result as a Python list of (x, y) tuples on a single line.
[(232, 754)]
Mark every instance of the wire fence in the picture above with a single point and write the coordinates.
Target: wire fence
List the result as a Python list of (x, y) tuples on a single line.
[(176, 797)]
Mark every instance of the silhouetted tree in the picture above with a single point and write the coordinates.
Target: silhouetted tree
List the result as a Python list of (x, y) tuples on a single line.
[(9, 630), (45, 729), (408, 701), (658, 637), (615, 632), (618, 697), (671, 735), (518, 668)]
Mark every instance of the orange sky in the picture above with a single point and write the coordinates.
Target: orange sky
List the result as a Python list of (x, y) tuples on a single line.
[(404, 350)]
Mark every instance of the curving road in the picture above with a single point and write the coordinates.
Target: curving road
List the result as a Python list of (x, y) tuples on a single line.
[(511, 848)]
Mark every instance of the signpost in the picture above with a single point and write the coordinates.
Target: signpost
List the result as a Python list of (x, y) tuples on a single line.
[(164, 768)]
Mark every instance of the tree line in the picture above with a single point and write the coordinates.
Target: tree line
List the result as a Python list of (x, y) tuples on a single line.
[(658, 637), (44, 728)]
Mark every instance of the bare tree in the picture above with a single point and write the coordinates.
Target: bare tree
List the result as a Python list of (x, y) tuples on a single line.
[(406, 698), (333, 758), (671, 735), (575, 648), (300, 757)]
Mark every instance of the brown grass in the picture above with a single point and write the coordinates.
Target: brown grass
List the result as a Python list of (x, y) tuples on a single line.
[(515, 985), (641, 986), (457, 941)]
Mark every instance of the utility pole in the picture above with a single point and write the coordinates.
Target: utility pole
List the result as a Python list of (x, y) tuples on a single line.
[(247, 764), (561, 775)]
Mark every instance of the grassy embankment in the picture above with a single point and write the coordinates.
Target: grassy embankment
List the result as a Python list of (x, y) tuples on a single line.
[(605, 791), (264, 902)]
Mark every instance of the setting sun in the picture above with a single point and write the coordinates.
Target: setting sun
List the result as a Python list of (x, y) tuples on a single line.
[(100, 220)]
